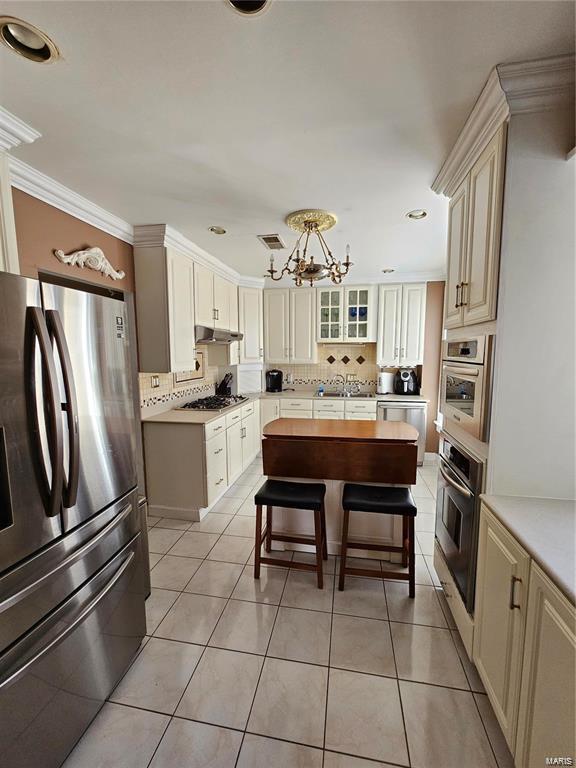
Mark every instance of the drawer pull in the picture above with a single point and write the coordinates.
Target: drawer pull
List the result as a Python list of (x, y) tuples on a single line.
[(218, 451), (219, 481), (217, 428)]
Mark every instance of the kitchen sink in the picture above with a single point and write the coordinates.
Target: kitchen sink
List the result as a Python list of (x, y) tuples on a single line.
[(345, 394)]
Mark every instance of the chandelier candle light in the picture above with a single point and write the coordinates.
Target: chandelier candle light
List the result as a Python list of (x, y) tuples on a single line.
[(310, 223)]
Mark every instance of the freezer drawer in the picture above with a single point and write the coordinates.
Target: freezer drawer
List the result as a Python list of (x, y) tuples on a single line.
[(31, 591), (56, 678)]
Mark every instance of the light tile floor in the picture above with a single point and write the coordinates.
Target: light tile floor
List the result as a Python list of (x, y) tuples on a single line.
[(237, 673)]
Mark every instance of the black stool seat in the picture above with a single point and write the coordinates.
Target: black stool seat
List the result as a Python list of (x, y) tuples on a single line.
[(280, 493), (378, 498)]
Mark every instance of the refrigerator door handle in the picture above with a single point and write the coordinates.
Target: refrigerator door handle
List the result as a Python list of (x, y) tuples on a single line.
[(53, 500), (73, 557), (56, 331), (27, 659)]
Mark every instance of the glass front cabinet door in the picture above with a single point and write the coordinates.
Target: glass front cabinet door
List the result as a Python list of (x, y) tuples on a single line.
[(360, 313), (330, 317), (347, 314)]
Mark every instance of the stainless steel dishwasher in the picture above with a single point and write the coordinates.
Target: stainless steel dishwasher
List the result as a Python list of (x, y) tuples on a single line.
[(413, 413)]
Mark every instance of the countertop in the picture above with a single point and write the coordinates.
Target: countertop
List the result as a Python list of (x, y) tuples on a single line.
[(190, 416), (338, 429), (546, 528), (310, 394)]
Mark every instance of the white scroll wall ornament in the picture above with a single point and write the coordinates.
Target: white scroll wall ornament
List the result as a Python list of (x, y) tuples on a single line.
[(93, 258)]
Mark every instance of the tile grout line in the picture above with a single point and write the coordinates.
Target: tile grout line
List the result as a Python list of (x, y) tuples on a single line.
[(329, 667), (262, 667)]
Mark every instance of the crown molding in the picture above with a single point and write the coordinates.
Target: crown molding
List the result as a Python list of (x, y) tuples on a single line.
[(489, 112), (50, 191), (162, 235), (538, 86), (511, 89), (396, 277), (14, 131)]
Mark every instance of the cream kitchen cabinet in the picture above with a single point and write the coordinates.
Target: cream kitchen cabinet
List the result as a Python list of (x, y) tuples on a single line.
[(289, 326), (165, 309), (401, 324), (234, 450), (547, 699), (216, 300), (277, 326), (474, 226), (346, 314), (250, 311), (500, 618), (269, 411)]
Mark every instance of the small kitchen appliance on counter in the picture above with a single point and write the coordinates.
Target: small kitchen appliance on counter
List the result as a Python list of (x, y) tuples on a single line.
[(385, 385), (406, 382), (274, 379)]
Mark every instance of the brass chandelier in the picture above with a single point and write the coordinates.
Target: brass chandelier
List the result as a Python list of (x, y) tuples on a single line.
[(311, 223)]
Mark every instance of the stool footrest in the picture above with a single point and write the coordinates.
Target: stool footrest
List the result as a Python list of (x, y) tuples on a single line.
[(375, 547), (287, 564), (293, 539)]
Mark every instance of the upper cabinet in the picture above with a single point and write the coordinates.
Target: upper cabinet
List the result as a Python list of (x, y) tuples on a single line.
[(401, 322), (165, 309), (216, 300), (289, 326), (346, 314), (250, 324), (474, 225)]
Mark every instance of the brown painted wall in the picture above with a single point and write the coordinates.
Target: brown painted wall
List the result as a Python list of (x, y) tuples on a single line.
[(432, 350), (41, 229)]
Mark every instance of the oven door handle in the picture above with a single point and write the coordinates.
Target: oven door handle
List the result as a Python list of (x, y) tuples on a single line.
[(466, 371), (460, 488)]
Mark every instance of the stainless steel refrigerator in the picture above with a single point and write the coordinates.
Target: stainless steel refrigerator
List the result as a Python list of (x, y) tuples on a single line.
[(72, 572)]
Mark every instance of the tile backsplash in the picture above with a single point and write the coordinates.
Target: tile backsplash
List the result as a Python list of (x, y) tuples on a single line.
[(171, 393), (357, 359)]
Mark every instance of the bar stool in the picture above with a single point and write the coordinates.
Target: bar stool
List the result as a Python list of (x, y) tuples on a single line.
[(384, 500), (280, 493)]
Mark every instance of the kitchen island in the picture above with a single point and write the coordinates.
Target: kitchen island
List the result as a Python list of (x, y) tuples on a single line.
[(336, 451)]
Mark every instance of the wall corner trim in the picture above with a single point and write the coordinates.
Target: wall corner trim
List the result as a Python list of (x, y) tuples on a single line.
[(50, 191), (14, 131), (517, 88)]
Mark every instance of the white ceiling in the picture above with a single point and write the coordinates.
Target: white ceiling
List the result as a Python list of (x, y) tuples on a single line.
[(188, 114)]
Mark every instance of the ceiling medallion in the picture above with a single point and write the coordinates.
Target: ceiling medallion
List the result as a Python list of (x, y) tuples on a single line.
[(311, 222)]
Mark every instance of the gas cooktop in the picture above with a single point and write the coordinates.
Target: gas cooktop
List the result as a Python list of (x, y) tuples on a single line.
[(213, 403)]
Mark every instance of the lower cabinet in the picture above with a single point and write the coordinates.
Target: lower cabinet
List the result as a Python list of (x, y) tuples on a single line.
[(524, 648), (269, 411), (234, 450), (296, 414), (500, 617), (547, 697)]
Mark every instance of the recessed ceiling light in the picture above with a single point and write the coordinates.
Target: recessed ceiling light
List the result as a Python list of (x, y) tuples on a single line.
[(248, 7), (217, 230), (387, 270), (416, 214), (27, 40)]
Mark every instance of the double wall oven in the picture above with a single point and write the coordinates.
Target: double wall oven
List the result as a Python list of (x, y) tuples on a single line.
[(457, 514)]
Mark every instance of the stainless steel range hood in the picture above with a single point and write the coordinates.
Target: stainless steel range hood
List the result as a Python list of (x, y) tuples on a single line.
[(205, 335)]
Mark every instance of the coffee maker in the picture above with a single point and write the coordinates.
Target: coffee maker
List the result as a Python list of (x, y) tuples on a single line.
[(274, 379)]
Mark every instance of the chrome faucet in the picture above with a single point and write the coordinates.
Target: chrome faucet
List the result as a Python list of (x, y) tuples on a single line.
[(339, 379)]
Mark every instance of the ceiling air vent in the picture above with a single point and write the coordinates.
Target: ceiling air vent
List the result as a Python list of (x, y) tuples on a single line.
[(272, 242)]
